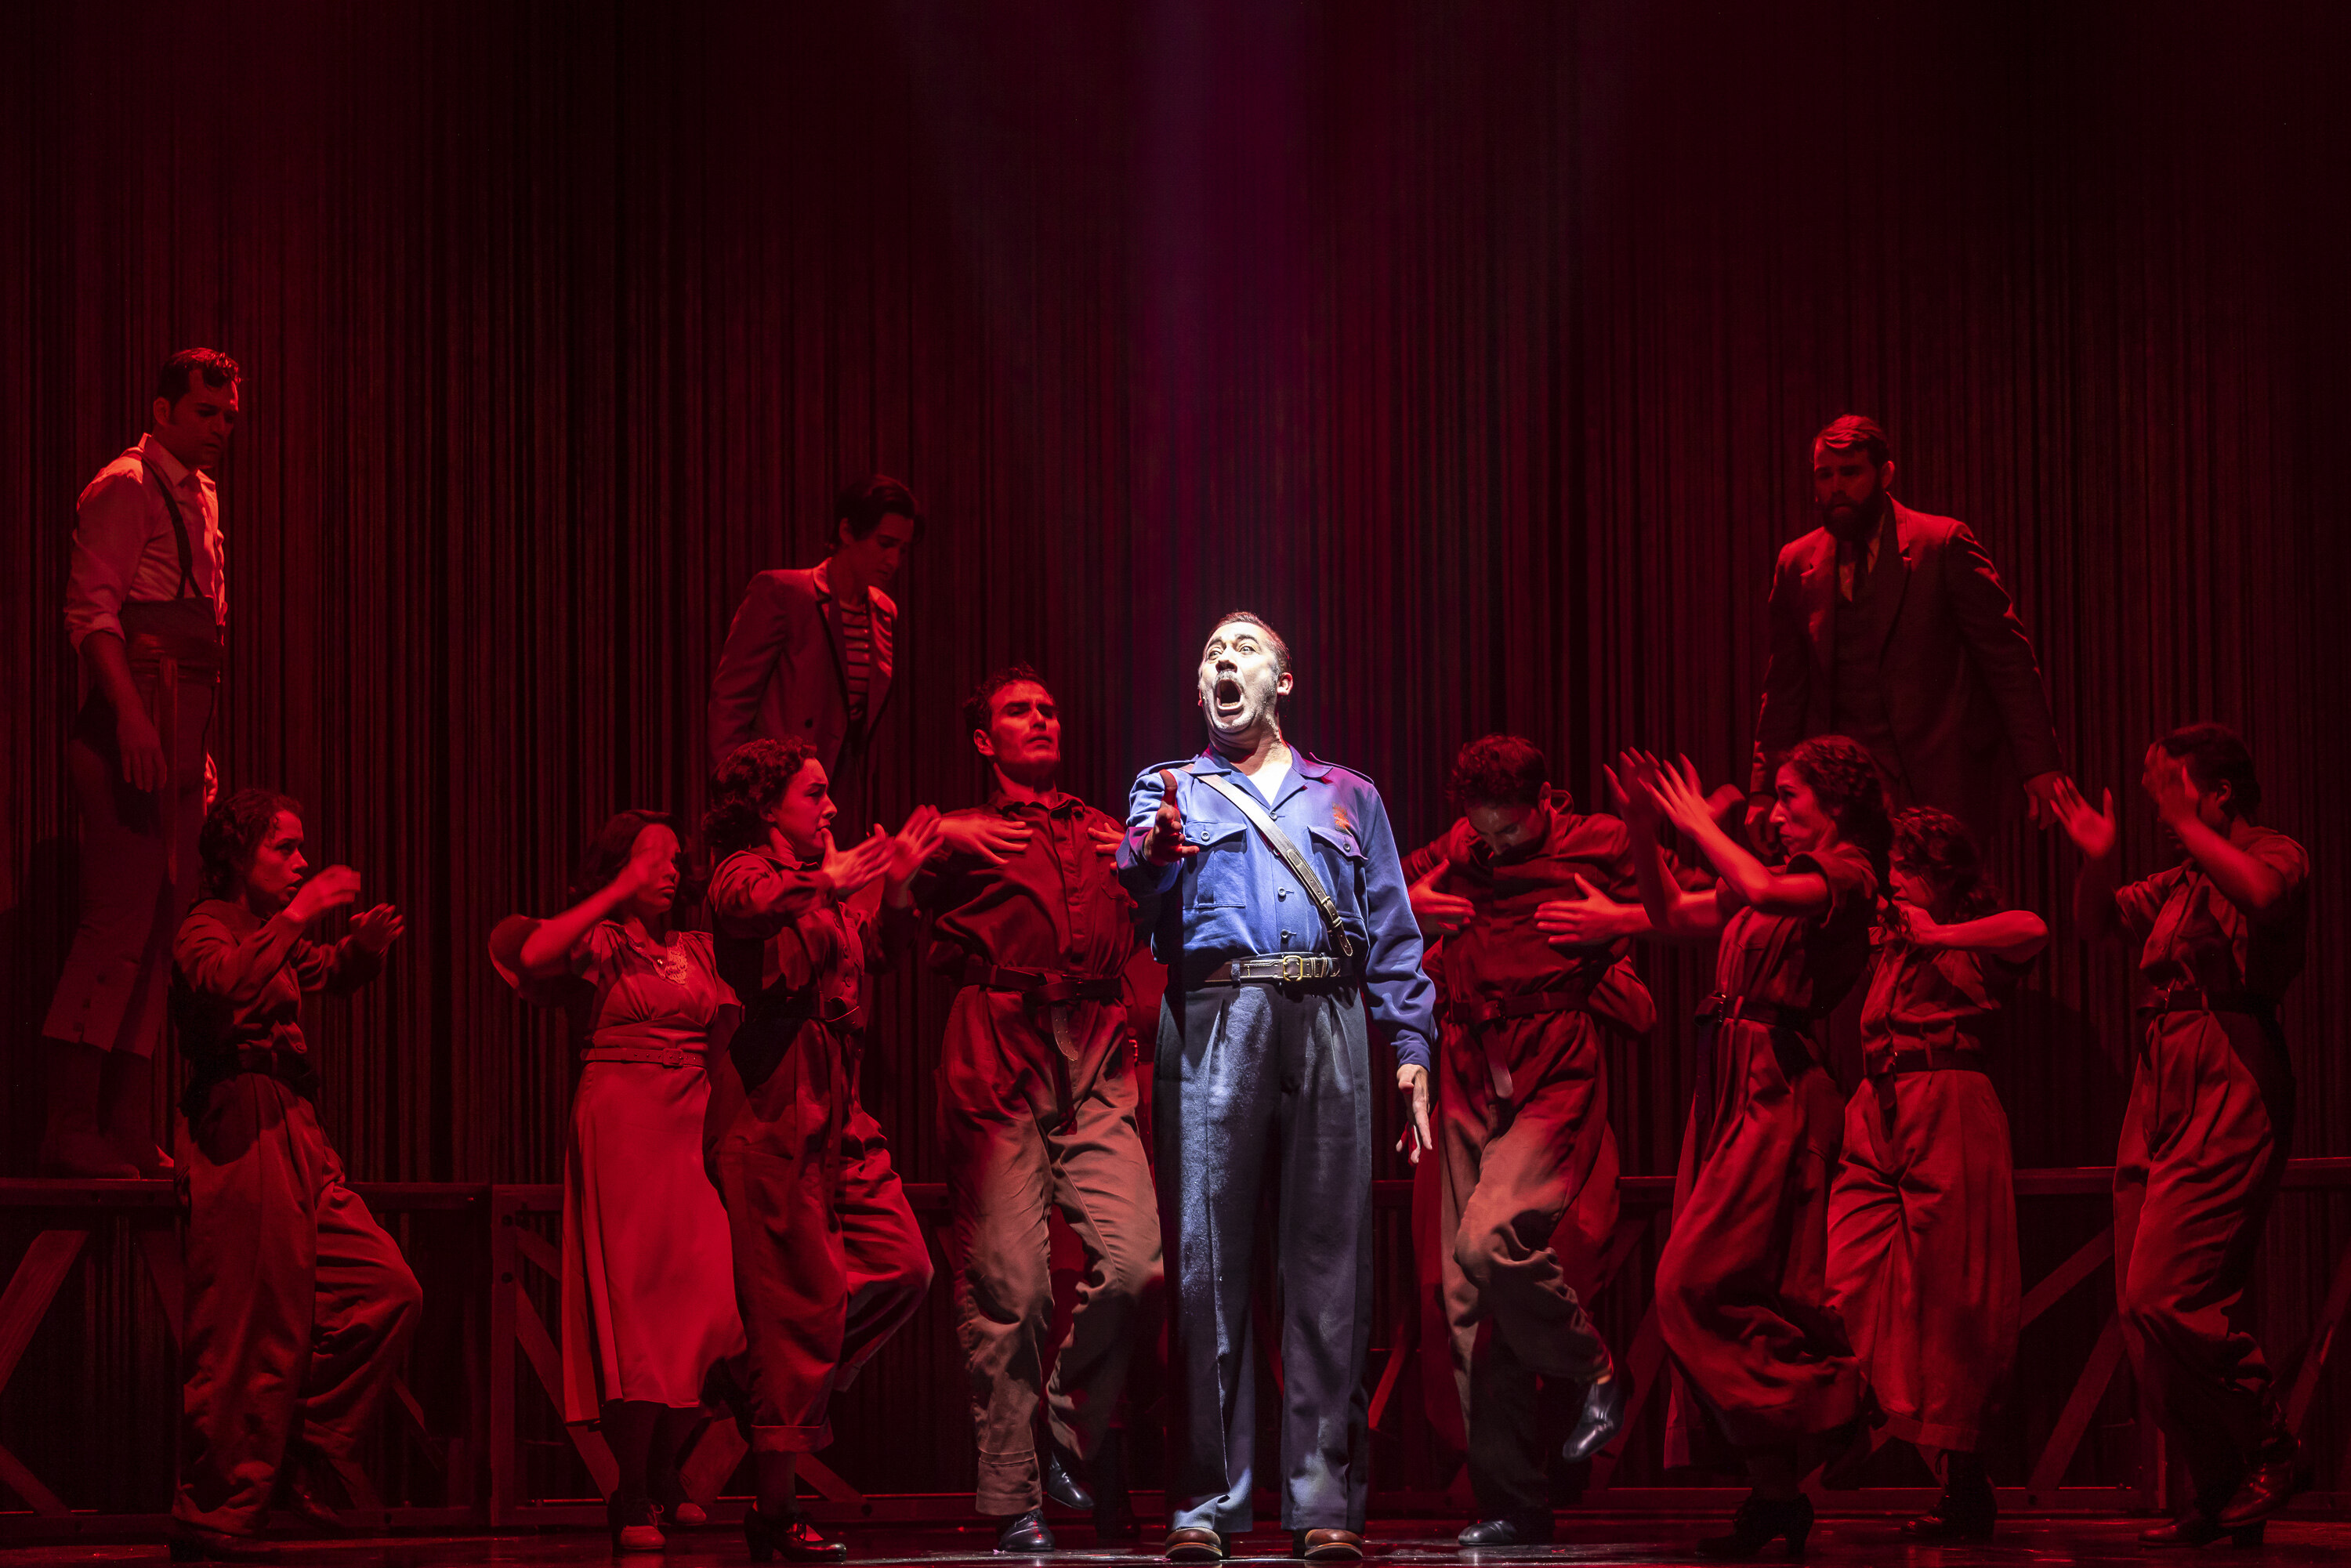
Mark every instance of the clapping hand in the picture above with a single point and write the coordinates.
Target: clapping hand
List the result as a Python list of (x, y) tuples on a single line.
[(2165, 779), (1628, 791), (378, 929), (2092, 829), (1680, 798), (333, 888), (913, 845), (850, 869)]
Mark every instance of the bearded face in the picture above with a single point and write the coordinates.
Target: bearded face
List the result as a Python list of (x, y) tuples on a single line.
[(1241, 682)]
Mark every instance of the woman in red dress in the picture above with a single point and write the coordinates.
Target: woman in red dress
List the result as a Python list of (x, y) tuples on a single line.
[(1760, 1361), (1922, 1217), (829, 1260), (648, 1279), (2205, 1139)]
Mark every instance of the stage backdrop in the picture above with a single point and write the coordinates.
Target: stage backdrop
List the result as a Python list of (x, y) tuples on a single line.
[(1478, 346)]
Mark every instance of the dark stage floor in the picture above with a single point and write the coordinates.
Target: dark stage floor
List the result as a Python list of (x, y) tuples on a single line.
[(1835, 1544)]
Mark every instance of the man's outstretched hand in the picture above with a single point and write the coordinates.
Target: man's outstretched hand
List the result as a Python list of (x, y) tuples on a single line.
[(1414, 1081), (1164, 844)]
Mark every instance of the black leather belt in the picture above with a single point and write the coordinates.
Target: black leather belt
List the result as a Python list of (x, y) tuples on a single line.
[(1280, 969), (2193, 999), (1472, 1014), (1042, 989), (1720, 1008)]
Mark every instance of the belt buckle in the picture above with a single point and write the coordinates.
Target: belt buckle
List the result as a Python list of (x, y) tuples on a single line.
[(1294, 968), (673, 1056)]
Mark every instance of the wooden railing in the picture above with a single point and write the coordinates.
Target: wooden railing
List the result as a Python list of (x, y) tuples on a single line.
[(511, 1359)]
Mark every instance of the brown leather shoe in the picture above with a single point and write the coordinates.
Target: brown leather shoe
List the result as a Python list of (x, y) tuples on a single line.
[(1327, 1545), (1195, 1543)]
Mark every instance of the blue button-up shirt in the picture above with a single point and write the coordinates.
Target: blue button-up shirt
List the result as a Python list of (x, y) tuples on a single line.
[(1237, 899)]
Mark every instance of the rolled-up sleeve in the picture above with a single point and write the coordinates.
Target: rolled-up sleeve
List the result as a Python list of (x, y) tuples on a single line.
[(110, 534)]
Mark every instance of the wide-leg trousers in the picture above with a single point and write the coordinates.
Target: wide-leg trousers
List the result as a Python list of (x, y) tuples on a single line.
[(828, 1259), (1265, 1093), (1037, 1114), (2204, 1146), (1922, 1251), (299, 1305), (1511, 1170), (1760, 1356)]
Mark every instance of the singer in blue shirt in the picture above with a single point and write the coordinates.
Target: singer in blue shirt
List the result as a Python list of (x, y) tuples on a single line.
[(1263, 1042)]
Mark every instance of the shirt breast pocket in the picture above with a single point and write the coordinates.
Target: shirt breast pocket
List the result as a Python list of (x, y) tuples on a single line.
[(1338, 857), (1220, 872)]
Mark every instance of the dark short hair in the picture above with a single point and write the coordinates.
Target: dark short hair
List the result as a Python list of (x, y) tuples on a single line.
[(1844, 778), (1938, 847), (608, 851), (232, 832), (179, 373), (864, 504), (1281, 649), (1851, 429), (2216, 755), (980, 707), (744, 788), (1500, 770)]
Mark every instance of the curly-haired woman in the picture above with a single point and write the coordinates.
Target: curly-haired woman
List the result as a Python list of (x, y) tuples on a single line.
[(828, 1262), (648, 1282), (1760, 1358), (298, 1304), (1922, 1219)]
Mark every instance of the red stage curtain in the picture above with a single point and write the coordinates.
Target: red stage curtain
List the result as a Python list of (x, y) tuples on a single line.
[(1476, 346)]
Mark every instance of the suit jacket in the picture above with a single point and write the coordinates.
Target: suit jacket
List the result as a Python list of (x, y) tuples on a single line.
[(783, 674), (1962, 689)]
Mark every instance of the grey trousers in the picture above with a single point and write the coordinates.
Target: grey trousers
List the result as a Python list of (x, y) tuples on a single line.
[(1265, 1086)]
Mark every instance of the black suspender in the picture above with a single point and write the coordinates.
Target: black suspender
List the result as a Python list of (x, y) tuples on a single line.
[(179, 532)]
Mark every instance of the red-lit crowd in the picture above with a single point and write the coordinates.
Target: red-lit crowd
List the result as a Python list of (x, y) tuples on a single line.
[(1841, 1270)]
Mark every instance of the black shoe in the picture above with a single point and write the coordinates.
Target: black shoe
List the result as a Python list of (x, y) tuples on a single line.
[(2198, 1527), (1528, 1529), (194, 1543), (788, 1536), (1602, 1417), (2271, 1484), (1059, 1470), (302, 1492), (1961, 1513), (1760, 1521), (634, 1523), (1026, 1534)]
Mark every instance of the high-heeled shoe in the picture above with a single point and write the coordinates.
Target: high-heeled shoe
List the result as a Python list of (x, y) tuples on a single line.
[(635, 1522), (1964, 1513), (788, 1536), (2271, 1482), (677, 1507), (1760, 1521)]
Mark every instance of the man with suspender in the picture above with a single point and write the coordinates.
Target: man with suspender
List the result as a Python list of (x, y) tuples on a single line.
[(1269, 883), (146, 605)]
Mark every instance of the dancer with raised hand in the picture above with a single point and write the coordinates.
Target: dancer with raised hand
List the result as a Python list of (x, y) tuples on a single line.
[(299, 1305), (1922, 1218), (1523, 1111), (829, 1260), (2205, 1139), (1760, 1360), (648, 1282)]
